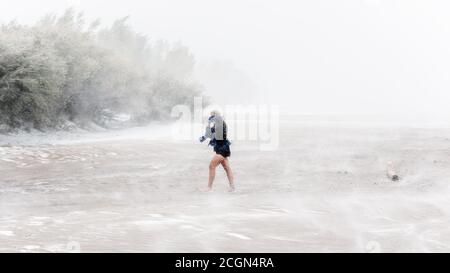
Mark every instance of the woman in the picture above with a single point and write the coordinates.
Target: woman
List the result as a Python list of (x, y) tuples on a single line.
[(216, 131)]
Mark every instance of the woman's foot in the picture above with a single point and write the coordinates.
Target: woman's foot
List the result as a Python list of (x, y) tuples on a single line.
[(231, 188), (205, 189)]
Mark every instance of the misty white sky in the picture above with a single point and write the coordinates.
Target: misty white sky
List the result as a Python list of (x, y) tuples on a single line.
[(318, 57)]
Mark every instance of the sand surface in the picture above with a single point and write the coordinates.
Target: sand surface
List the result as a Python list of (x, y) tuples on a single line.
[(324, 190)]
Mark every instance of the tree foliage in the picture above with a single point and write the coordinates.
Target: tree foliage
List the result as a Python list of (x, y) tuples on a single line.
[(61, 70)]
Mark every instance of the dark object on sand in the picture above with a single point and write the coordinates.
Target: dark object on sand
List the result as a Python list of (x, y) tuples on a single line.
[(391, 173)]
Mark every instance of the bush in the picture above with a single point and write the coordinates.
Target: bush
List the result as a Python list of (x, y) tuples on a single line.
[(60, 70)]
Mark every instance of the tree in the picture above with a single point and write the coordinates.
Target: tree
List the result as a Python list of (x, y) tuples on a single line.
[(60, 69)]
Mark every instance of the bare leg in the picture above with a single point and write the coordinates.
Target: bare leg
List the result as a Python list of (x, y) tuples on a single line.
[(226, 166), (215, 161)]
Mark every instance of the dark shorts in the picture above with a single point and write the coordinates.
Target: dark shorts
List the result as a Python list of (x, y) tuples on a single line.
[(222, 149)]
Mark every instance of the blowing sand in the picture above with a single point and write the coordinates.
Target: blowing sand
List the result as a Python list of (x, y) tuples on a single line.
[(324, 190)]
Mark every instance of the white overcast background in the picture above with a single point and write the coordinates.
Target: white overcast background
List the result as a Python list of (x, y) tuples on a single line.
[(371, 57)]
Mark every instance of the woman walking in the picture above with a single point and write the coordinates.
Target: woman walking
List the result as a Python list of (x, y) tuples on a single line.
[(216, 131)]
